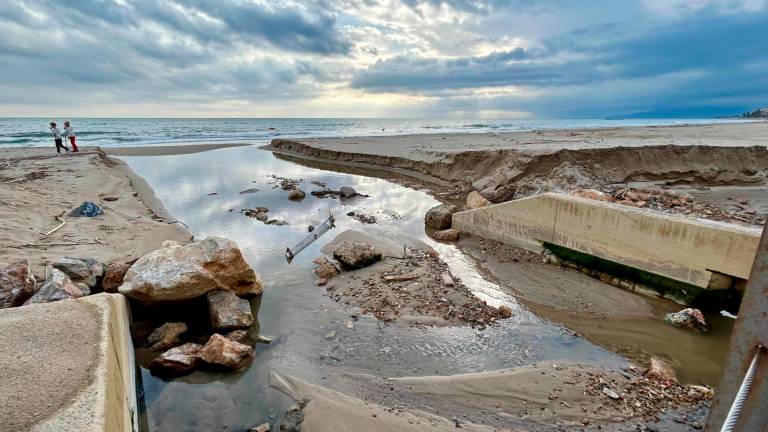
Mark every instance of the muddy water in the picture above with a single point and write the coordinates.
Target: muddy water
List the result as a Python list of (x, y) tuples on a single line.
[(299, 315)]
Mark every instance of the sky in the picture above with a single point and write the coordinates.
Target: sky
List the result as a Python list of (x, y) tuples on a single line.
[(382, 58)]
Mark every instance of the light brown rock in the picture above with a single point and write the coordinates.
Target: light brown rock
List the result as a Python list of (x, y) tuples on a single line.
[(17, 284), (505, 311), (355, 255), (451, 234), (661, 370), (240, 336), (325, 269), (228, 311), (181, 272), (166, 336), (440, 217), (177, 361), (475, 200), (296, 194), (114, 276), (224, 352)]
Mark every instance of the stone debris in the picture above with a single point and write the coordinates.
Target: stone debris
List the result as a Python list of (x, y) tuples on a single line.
[(264, 427), (440, 217), (240, 336), (224, 352), (285, 183), (177, 361), (17, 284), (83, 270), (166, 336), (689, 318), (181, 272), (505, 311), (113, 276), (343, 192), (296, 194), (260, 214), (228, 311), (347, 192), (248, 191), (448, 235), (475, 200), (447, 279), (325, 268), (363, 218), (412, 289), (58, 286), (355, 255)]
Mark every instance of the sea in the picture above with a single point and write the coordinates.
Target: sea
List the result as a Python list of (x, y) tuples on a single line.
[(110, 132)]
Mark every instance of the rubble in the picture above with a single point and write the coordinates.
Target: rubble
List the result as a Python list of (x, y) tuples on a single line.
[(689, 318)]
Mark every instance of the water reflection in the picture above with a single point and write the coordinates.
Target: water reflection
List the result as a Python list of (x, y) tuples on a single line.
[(298, 314)]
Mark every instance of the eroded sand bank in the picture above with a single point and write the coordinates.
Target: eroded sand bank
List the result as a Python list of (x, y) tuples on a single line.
[(510, 165)]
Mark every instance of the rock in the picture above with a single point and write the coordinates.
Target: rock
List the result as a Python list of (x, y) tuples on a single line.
[(57, 287), (355, 255), (331, 335), (17, 284), (166, 336), (700, 392), (660, 370), (610, 393), (447, 279), (689, 318), (440, 217), (264, 427), (228, 311), (263, 339), (224, 352), (347, 192), (177, 361), (181, 272), (451, 234), (325, 269), (296, 194), (113, 276), (277, 222), (240, 336), (85, 270), (321, 282), (247, 191), (505, 311), (85, 289), (592, 194), (475, 200), (719, 281), (310, 228)]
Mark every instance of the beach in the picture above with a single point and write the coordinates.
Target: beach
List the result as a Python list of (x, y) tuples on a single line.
[(395, 375)]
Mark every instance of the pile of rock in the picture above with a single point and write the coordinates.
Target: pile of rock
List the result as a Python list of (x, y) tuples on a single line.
[(65, 278), (260, 214), (220, 351), (343, 192)]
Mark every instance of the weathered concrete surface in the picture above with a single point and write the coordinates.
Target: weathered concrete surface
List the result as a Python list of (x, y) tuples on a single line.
[(67, 366), (681, 248)]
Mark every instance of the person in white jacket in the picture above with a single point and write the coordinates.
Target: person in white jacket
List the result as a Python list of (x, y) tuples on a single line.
[(69, 133), (57, 138)]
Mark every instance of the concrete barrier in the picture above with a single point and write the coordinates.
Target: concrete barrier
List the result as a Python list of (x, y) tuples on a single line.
[(69, 366), (677, 247)]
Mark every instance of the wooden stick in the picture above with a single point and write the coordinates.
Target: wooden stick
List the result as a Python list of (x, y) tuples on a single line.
[(400, 278), (63, 222), (14, 181), (38, 245)]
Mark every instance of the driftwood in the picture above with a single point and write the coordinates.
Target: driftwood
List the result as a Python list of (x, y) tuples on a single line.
[(399, 278), (63, 222)]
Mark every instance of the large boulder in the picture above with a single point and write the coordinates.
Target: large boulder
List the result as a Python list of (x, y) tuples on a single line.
[(113, 276), (17, 284), (181, 272), (475, 200), (177, 361), (228, 311), (225, 352), (81, 270), (440, 217), (355, 255), (166, 336), (57, 287)]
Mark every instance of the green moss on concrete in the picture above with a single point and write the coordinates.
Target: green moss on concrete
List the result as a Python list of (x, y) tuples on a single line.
[(665, 286)]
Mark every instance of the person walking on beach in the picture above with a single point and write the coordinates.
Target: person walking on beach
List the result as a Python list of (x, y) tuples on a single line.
[(69, 134), (57, 138)]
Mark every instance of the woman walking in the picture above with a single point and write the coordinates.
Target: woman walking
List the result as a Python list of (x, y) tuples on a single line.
[(57, 138), (69, 133)]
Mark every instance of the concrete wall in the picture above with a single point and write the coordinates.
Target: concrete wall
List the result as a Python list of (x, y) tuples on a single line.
[(109, 402), (681, 248)]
